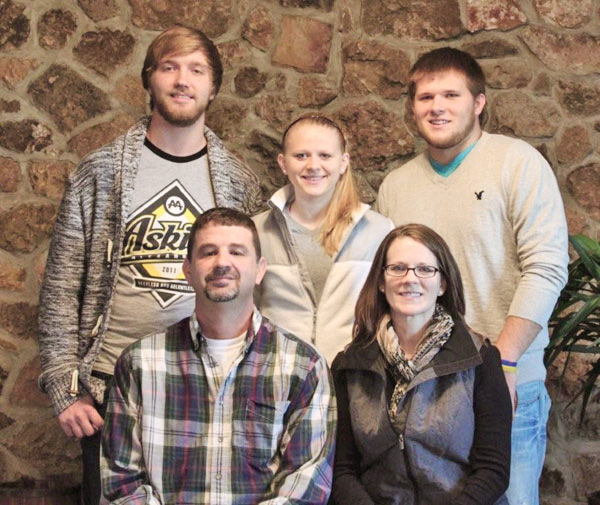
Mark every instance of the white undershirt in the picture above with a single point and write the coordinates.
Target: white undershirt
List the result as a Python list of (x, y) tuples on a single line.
[(225, 351)]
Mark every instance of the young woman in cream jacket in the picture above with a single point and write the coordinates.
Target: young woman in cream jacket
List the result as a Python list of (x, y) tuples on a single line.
[(318, 238)]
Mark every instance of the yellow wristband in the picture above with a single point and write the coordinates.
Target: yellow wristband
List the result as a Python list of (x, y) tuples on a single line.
[(509, 369)]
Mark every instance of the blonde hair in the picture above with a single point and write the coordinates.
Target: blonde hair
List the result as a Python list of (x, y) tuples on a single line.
[(344, 200), (184, 40)]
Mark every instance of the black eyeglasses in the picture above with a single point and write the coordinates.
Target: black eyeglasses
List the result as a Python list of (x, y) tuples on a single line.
[(400, 270)]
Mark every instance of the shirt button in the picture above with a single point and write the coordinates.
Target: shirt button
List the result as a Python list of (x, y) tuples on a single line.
[(220, 439), (218, 476)]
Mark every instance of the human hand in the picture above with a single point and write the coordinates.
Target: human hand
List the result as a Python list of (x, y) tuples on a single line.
[(81, 419)]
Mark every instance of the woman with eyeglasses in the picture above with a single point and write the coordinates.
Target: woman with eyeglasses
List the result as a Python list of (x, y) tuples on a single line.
[(318, 238), (424, 413)]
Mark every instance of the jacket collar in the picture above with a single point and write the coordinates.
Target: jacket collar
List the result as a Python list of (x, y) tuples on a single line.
[(284, 194), (460, 352), (278, 201)]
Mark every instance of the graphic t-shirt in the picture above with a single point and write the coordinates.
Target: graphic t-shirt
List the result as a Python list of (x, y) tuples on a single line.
[(152, 293)]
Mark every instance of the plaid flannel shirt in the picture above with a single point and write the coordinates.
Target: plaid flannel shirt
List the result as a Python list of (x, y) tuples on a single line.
[(176, 431)]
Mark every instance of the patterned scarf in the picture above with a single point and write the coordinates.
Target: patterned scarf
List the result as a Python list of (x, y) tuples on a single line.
[(403, 369)]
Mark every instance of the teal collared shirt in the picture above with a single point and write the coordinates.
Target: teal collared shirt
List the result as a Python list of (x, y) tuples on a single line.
[(446, 170)]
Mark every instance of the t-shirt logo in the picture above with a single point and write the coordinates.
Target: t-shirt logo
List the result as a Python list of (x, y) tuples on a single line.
[(155, 244)]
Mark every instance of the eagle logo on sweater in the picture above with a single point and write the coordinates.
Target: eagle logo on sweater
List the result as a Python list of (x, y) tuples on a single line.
[(155, 243)]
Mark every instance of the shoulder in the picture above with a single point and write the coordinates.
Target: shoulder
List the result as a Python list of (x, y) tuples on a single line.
[(94, 163), (168, 340), (266, 220), (343, 358), (269, 230), (261, 219), (402, 171), (495, 140), (357, 356), (219, 154), (367, 231), (510, 147), (377, 221), (292, 348), (97, 163)]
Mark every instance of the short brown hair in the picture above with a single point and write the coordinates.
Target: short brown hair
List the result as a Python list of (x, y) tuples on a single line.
[(372, 304), (446, 59), (223, 216), (181, 39)]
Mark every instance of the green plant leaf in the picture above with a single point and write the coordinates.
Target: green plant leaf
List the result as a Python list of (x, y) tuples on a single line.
[(589, 252), (575, 321)]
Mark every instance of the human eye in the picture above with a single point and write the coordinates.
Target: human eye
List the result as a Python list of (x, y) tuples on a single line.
[(426, 270), (238, 251), (300, 156), (452, 94), (325, 156), (424, 98), (205, 252), (398, 269), (166, 67)]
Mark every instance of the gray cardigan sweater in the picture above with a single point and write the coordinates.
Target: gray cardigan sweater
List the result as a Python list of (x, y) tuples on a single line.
[(85, 251)]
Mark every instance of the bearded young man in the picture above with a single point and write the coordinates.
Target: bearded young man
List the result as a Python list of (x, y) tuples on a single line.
[(113, 272), (495, 201)]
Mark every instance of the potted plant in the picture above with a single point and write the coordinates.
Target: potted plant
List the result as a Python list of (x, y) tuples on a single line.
[(575, 321)]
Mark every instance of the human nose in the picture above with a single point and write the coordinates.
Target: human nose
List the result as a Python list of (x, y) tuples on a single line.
[(223, 258), (410, 275), (313, 161), (437, 104), (182, 78)]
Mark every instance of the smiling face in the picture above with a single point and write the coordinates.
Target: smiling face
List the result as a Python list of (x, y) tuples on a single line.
[(447, 114), (411, 296), (223, 266), (313, 159), (181, 88)]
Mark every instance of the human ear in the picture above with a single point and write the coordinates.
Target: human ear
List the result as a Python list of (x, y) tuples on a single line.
[(345, 163), (281, 162), (262, 269), (185, 267), (480, 101), (442, 287)]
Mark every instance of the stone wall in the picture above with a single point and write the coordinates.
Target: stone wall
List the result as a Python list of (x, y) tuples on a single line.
[(69, 82)]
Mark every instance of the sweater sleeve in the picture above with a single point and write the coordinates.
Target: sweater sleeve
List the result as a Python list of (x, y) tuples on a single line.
[(347, 487), (490, 453), (538, 219), (60, 296)]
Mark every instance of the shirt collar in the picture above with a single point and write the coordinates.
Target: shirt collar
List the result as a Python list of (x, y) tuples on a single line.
[(196, 331), (445, 170)]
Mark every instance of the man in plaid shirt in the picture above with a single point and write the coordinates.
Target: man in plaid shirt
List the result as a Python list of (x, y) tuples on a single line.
[(223, 407)]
